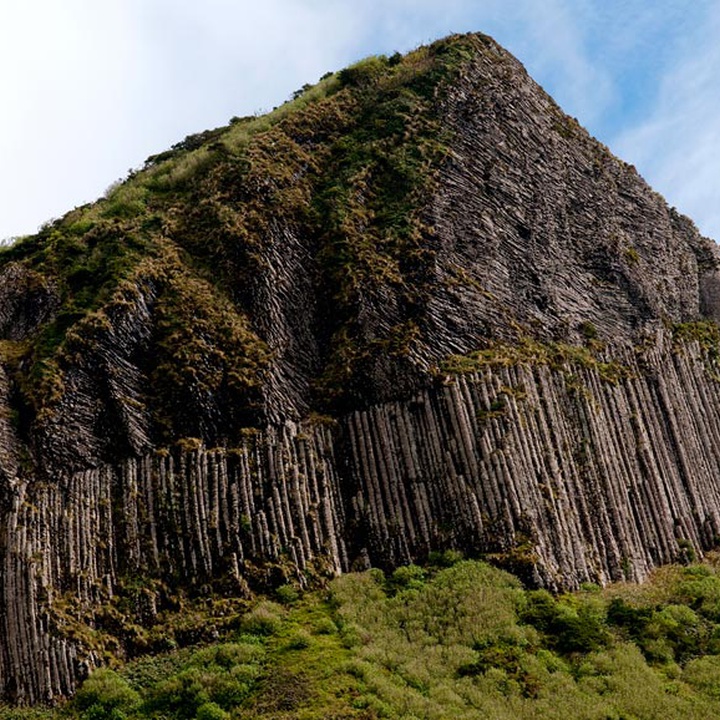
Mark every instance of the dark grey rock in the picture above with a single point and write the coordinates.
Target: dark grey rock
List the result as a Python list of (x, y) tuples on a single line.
[(535, 233)]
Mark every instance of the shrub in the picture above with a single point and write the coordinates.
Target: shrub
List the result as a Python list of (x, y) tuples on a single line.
[(182, 696), (632, 619), (364, 72), (568, 629), (287, 594), (407, 577), (265, 619), (588, 330), (106, 696), (299, 640), (351, 635), (211, 711), (683, 630), (700, 589), (686, 552), (325, 626), (703, 674), (214, 679)]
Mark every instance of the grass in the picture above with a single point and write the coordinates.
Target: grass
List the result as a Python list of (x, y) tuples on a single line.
[(463, 641), (527, 351), (346, 162)]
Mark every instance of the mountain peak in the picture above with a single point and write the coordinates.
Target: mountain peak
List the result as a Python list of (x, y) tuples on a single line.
[(401, 211), (415, 308)]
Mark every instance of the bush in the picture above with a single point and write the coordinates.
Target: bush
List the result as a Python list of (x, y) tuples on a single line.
[(265, 619), (407, 577), (287, 594), (182, 696), (215, 679), (364, 72), (700, 589), (106, 696), (588, 330), (445, 558), (211, 711), (299, 640), (632, 619), (703, 674), (567, 629), (681, 627)]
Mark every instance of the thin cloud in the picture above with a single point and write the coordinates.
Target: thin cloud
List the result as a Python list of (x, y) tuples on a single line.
[(555, 42), (677, 145), (99, 86)]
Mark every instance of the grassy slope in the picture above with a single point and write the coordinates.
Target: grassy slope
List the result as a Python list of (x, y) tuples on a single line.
[(463, 641), (346, 163)]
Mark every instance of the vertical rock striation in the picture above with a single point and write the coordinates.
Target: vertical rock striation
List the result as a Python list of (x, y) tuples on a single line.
[(556, 472), (188, 516), (563, 475), (405, 218)]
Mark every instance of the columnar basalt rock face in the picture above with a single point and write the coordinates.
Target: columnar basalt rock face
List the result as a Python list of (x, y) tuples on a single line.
[(564, 475), (558, 473), (537, 222), (27, 300), (234, 402), (190, 516)]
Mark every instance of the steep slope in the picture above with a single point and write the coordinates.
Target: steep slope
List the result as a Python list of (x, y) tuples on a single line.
[(462, 640), (415, 308)]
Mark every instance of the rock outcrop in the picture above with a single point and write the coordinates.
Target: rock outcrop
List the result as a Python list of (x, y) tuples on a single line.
[(420, 310)]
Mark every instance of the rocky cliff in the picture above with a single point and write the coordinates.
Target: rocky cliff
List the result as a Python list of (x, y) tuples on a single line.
[(416, 308)]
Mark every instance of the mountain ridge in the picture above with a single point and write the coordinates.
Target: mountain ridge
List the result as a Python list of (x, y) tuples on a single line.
[(416, 309)]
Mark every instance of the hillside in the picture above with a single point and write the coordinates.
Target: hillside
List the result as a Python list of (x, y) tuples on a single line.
[(416, 308), (458, 639)]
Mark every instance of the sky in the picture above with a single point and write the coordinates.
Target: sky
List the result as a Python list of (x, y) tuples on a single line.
[(91, 88)]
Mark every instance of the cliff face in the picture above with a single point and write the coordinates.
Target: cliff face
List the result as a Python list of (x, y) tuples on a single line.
[(556, 231), (417, 309)]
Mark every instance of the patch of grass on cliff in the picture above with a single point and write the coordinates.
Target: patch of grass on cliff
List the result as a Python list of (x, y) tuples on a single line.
[(705, 332), (208, 362), (368, 204), (527, 351), (86, 270), (346, 163), (463, 641)]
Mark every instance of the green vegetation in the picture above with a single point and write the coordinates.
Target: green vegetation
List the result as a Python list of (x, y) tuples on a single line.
[(346, 162), (208, 361), (456, 639), (631, 255), (527, 351), (588, 330), (705, 332)]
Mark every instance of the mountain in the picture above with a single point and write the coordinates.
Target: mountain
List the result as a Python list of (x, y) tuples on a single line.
[(416, 308)]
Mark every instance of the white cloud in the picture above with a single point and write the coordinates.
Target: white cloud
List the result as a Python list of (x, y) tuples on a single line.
[(676, 146), (65, 86), (96, 87)]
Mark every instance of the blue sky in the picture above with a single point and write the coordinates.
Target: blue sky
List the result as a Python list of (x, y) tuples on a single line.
[(90, 88)]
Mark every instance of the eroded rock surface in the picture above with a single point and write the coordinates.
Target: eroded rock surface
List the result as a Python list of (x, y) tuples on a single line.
[(224, 387)]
